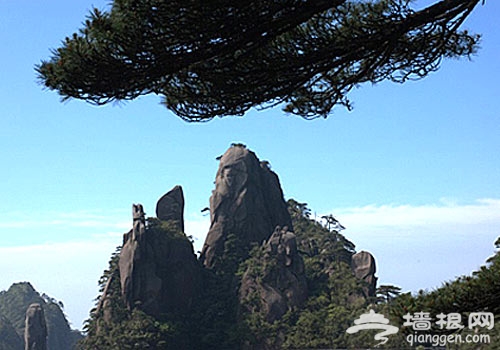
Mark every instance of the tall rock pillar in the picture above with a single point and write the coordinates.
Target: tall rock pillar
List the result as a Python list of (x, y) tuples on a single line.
[(247, 202), (35, 332)]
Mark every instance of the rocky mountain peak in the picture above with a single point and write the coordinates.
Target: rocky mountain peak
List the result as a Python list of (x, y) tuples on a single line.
[(250, 273), (247, 202)]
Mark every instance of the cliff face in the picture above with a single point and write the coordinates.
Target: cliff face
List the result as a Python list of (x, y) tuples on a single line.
[(247, 202), (159, 272)]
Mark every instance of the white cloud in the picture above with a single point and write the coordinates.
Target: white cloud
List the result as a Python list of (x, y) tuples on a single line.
[(421, 246), (85, 219), (62, 254), (482, 211)]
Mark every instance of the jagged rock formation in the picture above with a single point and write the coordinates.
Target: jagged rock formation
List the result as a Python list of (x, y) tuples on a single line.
[(247, 202), (249, 275), (159, 272), (364, 268), (283, 285), (170, 207), (35, 332)]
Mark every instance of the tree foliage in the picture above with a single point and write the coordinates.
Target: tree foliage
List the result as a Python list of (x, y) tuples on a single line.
[(219, 57), (387, 293)]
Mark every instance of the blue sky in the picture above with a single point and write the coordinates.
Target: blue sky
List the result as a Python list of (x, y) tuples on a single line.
[(412, 172)]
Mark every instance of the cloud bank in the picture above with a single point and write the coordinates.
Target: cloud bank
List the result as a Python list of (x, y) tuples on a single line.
[(480, 212), (421, 246)]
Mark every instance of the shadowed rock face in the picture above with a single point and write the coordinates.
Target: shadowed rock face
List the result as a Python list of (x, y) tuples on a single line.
[(170, 207), (132, 256), (35, 332), (159, 272), (247, 202), (364, 268), (283, 285)]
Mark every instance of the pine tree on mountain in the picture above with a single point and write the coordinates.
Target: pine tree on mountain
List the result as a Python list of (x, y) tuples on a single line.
[(219, 58)]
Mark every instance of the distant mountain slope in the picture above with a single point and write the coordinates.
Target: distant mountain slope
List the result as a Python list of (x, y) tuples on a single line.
[(9, 339), (13, 305)]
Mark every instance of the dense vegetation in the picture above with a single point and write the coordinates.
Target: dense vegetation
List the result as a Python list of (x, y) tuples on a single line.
[(13, 305), (219, 58)]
